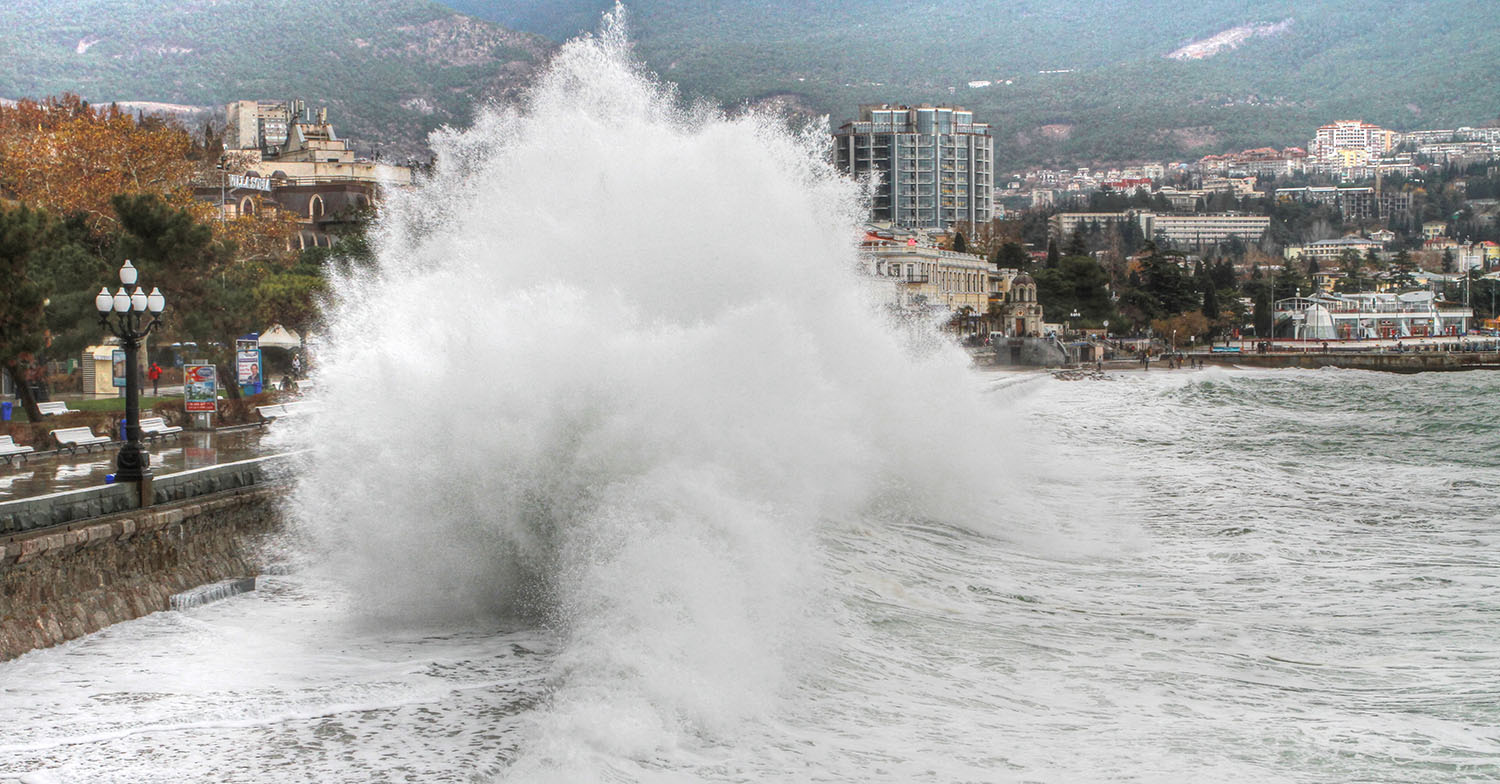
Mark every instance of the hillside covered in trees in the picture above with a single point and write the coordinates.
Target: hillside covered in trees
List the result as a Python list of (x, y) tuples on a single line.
[(390, 71), (1070, 81)]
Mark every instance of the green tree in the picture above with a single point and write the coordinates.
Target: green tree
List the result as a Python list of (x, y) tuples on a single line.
[(1078, 245), (960, 245), (1264, 316), (1450, 265), (1078, 283), (1404, 268), (1011, 256), (23, 231), (210, 298), (1210, 300), (1289, 281), (1052, 254)]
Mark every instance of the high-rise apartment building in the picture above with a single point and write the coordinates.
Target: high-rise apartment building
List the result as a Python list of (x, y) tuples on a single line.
[(935, 165), (1351, 142)]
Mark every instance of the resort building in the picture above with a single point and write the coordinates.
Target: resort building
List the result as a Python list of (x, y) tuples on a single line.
[(1200, 230), (1370, 315), (280, 156), (1331, 250), (923, 277), (288, 142), (934, 165), (1065, 224), (1349, 143), (1353, 202)]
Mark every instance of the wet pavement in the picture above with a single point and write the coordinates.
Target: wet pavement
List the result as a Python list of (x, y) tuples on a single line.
[(40, 476)]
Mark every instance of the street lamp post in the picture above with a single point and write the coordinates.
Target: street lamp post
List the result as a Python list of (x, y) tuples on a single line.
[(129, 310)]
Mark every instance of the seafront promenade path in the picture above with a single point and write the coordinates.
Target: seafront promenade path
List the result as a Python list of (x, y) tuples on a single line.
[(53, 472)]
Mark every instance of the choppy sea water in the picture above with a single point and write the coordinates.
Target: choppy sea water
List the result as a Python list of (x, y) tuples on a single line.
[(1201, 576)]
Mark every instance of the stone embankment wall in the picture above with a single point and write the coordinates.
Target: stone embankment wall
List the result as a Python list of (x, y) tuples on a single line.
[(58, 584), (1397, 362)]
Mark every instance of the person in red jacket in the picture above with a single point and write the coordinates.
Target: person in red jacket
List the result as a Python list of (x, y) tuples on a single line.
[(155, 375)]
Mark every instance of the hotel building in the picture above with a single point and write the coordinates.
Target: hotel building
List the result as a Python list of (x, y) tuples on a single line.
[(935, 165)]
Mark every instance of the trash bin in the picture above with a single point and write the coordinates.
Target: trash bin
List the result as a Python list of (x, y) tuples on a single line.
[(5, 411)]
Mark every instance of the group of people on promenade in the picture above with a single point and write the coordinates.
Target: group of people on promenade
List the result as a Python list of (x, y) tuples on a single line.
[(1174, 361)]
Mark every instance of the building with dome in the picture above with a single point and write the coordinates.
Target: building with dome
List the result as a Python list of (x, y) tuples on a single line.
[(1022, 313)]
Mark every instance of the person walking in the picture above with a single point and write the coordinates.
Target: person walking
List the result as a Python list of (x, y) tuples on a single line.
[(155, 375)]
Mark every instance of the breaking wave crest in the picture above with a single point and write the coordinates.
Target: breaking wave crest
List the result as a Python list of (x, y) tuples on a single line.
[(612, 373)]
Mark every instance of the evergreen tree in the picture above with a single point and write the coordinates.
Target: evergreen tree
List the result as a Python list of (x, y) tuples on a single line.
[(1450, 265), (960, 245), (1052, 254), (22, 301), (1404, 267), (1264, 316), (1011, 255), (1077, 245), (1210, 299)]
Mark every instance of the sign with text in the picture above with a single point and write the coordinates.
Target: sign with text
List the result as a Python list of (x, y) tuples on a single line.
[(118, 363), (249, 366), (200, 387), (238, 181)]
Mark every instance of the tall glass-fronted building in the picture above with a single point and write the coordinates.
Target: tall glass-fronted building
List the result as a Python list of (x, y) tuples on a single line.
[(936, 166)]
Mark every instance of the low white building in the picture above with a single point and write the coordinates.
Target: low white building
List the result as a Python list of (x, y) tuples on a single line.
[(1370, 315)]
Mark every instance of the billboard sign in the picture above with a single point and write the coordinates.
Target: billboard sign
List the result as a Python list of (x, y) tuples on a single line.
[(200, 387), (248, 362), (118, 364), (240, 181)]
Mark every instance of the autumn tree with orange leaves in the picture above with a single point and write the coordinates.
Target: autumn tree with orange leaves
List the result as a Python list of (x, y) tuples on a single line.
[(77, 164), (69, 157)]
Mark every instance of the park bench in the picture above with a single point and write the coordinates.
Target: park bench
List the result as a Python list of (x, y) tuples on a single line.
[(283, 410), (70, 438), (157, 427), (10, 450), (55, 408)]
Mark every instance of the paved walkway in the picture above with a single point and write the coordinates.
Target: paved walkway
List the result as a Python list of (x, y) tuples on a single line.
[(40, 476)]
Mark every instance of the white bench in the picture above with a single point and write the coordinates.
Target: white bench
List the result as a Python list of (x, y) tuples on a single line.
[(10, 449), (55, 408), (280, 410), (157, 427), (70, 438)]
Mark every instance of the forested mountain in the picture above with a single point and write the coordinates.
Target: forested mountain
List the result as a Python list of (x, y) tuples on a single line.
[(1060, 80), (389, 70), (1076, 81)]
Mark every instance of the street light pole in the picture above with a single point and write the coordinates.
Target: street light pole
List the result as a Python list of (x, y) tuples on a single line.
[(129, 310)]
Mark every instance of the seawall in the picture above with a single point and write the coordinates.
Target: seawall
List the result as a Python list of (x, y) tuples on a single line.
[(69, 579), (1397, 362)]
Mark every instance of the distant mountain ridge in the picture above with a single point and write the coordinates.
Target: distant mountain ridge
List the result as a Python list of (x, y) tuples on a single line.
[(1244, 76), (1060, 81), (390, 71)]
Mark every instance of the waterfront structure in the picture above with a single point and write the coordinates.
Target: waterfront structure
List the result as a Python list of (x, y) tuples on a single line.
[(1200, 230), (1367, 315), (934, 164), (920, 276)]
